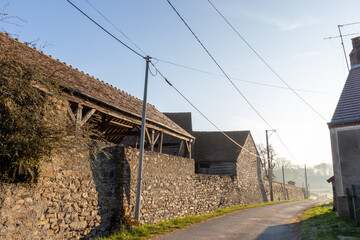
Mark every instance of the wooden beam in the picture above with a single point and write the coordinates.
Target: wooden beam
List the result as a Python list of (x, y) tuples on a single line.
[(152, 140), (188, 146), (104, 122), (70, 111), (135, 141), (147, 135), (87, 116), (157, 137), (131, 119), (124, 134), (181, 147), (161, 142), (78, 116), (120, 124)]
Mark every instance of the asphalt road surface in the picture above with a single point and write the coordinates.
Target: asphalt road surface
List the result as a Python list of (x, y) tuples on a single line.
[(273, 222)]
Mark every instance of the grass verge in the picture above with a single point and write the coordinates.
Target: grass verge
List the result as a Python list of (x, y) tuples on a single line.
[(320, 222), (147, 231)]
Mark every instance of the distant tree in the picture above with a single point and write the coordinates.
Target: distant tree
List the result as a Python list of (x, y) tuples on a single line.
[(323, 169), (282, 162), (264, 159)]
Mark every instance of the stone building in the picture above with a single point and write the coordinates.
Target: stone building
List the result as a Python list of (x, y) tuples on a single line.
[(215, 153), (116, 113), (345, 136), (176, 146)]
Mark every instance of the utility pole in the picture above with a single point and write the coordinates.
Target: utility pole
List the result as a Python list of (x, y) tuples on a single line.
[(342, 43), (142, 140), (306, 185), (283, 175), (269, 164)]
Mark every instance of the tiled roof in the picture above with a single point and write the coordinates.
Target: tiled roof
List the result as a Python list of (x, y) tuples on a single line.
[(183, 119), (79, 82), (348, 107), (214, 146)]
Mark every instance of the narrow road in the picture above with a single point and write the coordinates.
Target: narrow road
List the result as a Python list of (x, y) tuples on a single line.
[(264, 223)]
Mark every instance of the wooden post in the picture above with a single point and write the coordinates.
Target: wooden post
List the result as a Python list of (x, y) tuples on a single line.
[(135, 141), (70, 111), (188, 146), (161, 142), (78, 117), (87, 116), (152, 143), (181, 147), (147, 136)]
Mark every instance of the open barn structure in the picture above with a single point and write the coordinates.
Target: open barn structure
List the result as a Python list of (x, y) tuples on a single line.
[(115, 113)]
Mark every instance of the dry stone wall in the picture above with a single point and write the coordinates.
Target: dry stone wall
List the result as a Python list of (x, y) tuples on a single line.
[(74, 198), (79, 197), (172, 189)]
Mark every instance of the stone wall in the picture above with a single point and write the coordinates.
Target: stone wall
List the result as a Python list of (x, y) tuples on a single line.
[(292, 192), (172, 189), (74, 198), (82, 197)]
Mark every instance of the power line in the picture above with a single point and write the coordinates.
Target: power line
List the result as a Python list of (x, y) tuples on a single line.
[(238, 79), (116, 27), (157, 71), (222, 70), (202, 114), (182, 19), (268, 65), (97, 24), (287, 149)]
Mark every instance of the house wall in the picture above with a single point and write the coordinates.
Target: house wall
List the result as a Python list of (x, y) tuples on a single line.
[(79, 197), (345, 144)]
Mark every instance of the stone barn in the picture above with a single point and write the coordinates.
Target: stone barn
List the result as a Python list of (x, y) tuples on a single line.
[(90, 99), (345, 136), (216, 154)]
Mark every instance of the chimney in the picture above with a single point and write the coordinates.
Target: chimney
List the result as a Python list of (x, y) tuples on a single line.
[(355, 53)]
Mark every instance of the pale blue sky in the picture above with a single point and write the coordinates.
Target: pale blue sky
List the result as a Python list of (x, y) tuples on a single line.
[(288, 34)]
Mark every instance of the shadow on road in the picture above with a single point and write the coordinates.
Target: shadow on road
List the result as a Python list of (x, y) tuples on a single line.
[(279, 232)]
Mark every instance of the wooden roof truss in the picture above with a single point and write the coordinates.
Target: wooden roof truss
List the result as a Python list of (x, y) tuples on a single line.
[(121, 129)]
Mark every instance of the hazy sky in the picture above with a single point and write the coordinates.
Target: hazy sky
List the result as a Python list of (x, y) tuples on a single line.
[(289, 35)]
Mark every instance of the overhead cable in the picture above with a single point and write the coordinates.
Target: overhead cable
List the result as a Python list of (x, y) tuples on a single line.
[(157, 71), (105, 30), (183, 96), (267, 64), (182, 19), (218, 65), (116, 28), (237, 79)]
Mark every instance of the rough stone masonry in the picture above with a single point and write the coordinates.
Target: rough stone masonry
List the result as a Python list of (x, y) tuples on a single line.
[(80, 196)]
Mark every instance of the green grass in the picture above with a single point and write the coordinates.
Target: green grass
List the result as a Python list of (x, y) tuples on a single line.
[(320, 222), (147, 231)]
